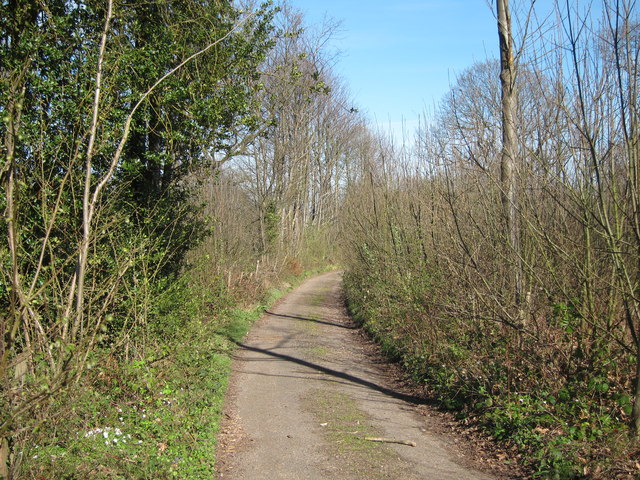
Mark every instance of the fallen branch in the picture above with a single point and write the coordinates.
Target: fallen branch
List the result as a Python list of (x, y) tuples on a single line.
[(391, 440)]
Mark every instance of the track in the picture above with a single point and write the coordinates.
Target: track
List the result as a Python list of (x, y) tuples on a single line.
[(308, 401)]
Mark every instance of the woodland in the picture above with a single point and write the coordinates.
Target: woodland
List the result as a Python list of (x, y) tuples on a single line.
[(167, 165)]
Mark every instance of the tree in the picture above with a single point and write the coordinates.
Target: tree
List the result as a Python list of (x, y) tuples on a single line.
[(105, 108), (507, 162), (296, 166)]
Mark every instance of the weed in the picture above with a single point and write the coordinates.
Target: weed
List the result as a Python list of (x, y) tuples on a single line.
[(561, 416), (319, 352)]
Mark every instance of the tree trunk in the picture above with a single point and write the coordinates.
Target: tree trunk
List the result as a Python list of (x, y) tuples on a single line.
[(507, 162), (4, 459), (635, 412)]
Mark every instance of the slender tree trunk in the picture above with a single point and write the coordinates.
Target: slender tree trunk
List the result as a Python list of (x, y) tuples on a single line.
[(12, 321), (507, 163), (4, 459)]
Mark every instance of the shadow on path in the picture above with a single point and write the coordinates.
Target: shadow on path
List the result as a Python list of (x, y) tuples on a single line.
[(335, 373), (307, 319)]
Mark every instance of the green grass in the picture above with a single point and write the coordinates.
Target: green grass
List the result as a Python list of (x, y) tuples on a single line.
[(146, 419), (319, 352), (309, 326), (146, 414), (319, 299)]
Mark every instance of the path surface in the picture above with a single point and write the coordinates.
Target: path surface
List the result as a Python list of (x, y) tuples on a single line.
[(306, 395)]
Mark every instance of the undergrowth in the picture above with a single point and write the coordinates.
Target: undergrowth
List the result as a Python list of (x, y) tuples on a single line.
[(147, 414), (564, 427)]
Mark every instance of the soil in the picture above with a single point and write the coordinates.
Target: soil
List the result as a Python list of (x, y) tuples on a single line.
[(312, 398)]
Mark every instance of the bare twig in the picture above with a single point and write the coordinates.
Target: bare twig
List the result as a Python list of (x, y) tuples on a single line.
[(391, 440)]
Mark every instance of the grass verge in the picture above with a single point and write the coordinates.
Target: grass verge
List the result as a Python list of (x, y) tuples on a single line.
[(144, 416)]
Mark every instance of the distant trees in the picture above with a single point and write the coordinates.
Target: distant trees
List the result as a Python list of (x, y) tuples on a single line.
[(297, 167), (292, 175)]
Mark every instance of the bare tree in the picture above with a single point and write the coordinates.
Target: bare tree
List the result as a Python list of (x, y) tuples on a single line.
[(508, 165)]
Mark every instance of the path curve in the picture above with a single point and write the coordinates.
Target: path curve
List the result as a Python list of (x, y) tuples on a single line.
[(305, 396)]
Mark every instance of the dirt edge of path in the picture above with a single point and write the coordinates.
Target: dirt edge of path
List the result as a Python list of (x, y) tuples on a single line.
[(470, 445), (473, 447)]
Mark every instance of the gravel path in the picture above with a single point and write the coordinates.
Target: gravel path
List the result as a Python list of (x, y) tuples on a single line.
[(306, 399)]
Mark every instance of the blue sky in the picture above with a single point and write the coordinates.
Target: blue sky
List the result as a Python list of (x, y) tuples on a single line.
[(400, 56)]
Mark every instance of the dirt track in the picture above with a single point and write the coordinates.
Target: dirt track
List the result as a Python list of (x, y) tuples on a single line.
[(307, 398)]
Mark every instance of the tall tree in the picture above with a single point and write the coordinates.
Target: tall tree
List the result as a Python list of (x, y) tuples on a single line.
[(508, 163)]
